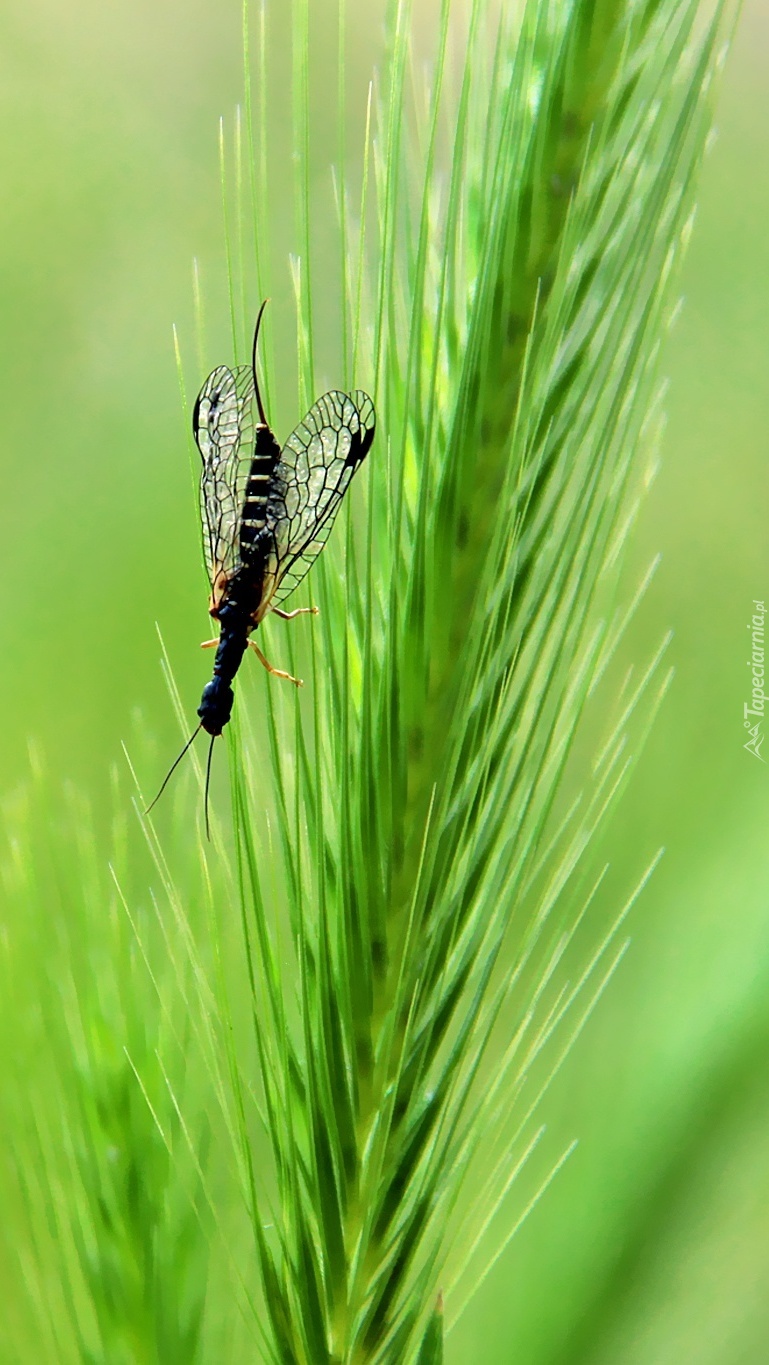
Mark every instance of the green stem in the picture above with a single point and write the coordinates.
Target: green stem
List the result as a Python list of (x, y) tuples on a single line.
[(527, 244)]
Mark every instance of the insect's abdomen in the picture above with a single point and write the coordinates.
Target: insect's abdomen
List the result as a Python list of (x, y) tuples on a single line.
[(254, 513)]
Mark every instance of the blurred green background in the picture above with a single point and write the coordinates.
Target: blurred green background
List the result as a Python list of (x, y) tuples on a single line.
[(653, 1244)]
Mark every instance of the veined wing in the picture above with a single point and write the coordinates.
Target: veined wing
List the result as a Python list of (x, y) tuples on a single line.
[(313, 474), (223, 426)]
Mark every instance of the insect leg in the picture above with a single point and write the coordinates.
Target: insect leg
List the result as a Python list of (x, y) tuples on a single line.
[(276, 672), (300, 611), (209, 644)]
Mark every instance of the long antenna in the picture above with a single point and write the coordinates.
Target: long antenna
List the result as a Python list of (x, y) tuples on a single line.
[(174, 765), (265, 423), (208, 779)]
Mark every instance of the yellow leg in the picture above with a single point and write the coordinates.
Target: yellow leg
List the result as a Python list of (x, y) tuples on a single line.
[(300, 611), (209, 644), (276, 672)]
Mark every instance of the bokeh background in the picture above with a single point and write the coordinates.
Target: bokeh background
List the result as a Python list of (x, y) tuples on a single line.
[(653, 1243)]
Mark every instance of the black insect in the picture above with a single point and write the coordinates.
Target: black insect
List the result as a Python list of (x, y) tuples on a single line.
[(266, 514)]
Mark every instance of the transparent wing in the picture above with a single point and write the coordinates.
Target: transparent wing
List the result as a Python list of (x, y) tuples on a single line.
[(316, 466), (223, 426)]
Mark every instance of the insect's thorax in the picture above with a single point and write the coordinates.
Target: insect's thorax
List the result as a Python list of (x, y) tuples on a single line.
[(236, 597)]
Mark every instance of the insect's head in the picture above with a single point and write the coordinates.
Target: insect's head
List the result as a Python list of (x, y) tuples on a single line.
[(262, 418), (216, 705)]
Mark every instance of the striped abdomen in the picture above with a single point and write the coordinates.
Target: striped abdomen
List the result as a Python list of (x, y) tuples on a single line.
[(254, 512)]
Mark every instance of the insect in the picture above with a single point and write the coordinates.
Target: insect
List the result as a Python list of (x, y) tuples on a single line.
[(266, 514)]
